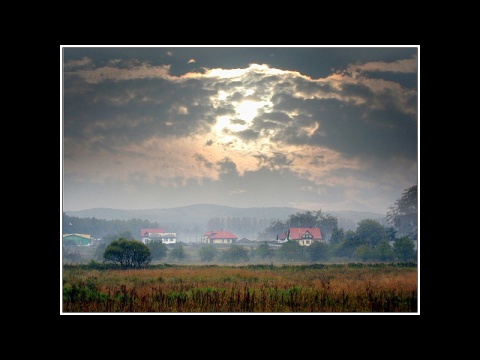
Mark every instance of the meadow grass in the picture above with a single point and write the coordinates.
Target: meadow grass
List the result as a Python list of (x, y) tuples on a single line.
[(316, 288)]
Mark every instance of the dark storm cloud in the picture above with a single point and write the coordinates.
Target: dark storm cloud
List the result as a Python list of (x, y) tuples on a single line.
[(340, 128), (359, 90), (313, 61), (405, 80), (310, 88), (353, 127), (247, 126), (248, 135), (144, 108), (275, 116)]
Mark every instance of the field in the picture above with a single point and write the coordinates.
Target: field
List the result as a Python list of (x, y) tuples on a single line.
[(218, 289)]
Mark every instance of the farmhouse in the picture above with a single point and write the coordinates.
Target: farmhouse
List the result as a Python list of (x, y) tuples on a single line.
[(282, 238), (304, 236), (159, 234), (79, 239), (219, 237)]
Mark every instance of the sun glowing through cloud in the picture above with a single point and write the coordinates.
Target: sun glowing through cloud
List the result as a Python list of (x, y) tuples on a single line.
[(247, 110), (334, 127)]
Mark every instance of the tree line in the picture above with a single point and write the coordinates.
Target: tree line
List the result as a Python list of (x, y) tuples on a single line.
[(371, 241)]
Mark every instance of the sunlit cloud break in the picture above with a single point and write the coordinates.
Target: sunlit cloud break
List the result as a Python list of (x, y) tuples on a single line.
[(274, 124)]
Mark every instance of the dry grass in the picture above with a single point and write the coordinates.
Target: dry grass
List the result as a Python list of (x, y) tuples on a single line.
[(229, 289)]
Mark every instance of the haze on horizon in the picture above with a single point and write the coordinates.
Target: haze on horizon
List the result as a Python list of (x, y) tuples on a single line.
[(309, 127)]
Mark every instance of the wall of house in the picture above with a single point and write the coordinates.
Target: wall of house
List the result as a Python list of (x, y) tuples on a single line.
[(170, 239), (79, 240), (222, 241)]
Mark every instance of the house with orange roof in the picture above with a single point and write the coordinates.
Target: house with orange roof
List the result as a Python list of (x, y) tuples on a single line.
[(219, 237), (305, 236)]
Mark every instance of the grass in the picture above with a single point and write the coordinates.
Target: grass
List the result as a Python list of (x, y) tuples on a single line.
[(315, 288)]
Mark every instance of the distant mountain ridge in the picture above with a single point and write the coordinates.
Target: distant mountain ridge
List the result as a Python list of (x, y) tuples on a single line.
[(201, 213)]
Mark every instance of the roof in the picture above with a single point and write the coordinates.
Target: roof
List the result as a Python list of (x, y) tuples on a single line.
[(282, 236), (86, 236), (144, 231), (222, 234), (297, 233)]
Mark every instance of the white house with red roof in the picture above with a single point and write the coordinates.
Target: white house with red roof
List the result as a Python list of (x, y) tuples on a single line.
[(219, 237), (304, 236), (159, 234)]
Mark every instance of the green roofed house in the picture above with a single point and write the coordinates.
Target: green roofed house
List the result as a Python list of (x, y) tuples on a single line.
[(79, 239)]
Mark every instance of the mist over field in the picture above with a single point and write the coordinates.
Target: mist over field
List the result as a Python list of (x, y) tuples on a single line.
[(191, 222)]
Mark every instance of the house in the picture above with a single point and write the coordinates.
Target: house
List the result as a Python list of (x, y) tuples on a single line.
[(282, 238), (159, 234), (219, 237), (305, 236), (79, 239)]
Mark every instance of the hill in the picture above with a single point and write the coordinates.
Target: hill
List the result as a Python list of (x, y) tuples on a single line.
[(200, 214)]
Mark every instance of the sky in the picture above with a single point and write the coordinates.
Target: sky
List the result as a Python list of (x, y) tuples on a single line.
[(311, 127)]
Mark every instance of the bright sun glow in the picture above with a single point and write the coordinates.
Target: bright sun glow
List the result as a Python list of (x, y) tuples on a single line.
[(247, 110), (227, 128)]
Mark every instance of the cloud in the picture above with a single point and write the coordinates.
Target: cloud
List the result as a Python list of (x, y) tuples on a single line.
[(133, 121), (117, 73), (81, 63), (401, 66)]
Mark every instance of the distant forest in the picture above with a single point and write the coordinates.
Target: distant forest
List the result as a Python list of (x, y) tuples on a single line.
[(244, 227), (98, 228)]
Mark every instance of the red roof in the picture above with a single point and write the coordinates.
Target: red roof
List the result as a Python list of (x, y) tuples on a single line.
[(297, 233), (282, 236), (223, 235), (145, 231)]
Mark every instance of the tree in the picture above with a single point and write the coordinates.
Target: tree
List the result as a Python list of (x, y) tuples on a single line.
[(327, 224), (318, 251), (107, 239), (403, 215), (338, 235), (363, 252), (383, 251), (128, 253), (264, 251), (276, 227), (404, 249), (236, 253), (299, 220), (158, 249), (291, 250), (370, 232), (208, 253), (348, 245), (178, 253), (70, 251)]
